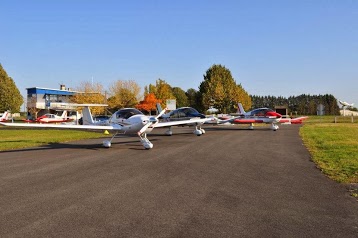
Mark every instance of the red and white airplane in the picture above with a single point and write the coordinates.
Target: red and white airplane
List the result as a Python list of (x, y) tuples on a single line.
[(52, 118), (5, 116), (259, 115), (125, 121)]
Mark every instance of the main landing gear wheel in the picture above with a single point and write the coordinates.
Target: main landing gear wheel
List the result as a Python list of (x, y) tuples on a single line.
[(145, 142), (274, 127), (107, 143), (198, 132), (169, 132)]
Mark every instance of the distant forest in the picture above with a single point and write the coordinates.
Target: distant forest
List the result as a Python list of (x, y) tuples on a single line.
[(299, 105)]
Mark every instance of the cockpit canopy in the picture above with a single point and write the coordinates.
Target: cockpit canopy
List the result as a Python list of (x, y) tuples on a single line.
[(261, 112), (127, 113), (185, 112), (48, 116)]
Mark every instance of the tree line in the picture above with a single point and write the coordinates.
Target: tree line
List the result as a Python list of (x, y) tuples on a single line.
[(304, 104), (218, 89)]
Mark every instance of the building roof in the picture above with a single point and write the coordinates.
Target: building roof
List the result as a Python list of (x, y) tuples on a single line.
[(37, 90)]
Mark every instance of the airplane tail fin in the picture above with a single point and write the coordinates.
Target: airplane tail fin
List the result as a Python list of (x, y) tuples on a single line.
[(5, 116), (240, 109), (87, 118), (64, 114), (159, 108)]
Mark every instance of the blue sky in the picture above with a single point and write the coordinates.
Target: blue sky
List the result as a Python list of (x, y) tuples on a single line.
[(281, 48)]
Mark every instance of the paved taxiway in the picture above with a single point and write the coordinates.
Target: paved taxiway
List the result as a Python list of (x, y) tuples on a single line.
[(227, 183)]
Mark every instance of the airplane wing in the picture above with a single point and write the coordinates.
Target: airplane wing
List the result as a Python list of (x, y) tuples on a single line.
[(297, 120), (99, 127), (57, 126), (223, 121), (183, 122)]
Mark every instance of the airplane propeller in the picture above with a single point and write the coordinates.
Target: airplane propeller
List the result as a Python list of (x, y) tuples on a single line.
[(152, 120)]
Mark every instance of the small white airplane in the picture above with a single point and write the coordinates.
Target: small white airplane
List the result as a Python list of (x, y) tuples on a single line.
[(5, 116), (126, 121), (345, 104), (259, 115), (52, 118)]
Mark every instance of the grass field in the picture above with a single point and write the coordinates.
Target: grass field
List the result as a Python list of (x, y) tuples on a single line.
[(23, 138), (333, 144), (331, 119)]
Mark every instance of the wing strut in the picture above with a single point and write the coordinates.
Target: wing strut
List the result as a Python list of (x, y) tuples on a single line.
[(108, 143)]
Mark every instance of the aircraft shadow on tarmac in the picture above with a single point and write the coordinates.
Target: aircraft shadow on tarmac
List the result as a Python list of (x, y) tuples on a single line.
[(131, 141), (134, 144), (188, 133), (236, 128)]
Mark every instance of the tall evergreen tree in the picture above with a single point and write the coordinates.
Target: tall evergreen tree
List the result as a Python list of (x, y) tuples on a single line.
[(10, 96)]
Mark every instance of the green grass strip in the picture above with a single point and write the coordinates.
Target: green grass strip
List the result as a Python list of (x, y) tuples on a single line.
[(23, 138), (334, 148)]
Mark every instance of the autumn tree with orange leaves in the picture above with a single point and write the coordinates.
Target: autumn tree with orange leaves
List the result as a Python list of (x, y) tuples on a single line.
[(149, 103)]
